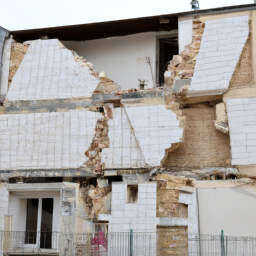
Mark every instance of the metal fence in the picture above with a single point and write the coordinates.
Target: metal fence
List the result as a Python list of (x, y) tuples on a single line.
[(123, 244)]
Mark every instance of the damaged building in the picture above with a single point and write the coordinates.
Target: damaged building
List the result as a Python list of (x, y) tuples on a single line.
[(130, 137)]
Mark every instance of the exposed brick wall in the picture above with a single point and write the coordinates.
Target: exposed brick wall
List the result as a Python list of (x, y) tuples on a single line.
[(243, 72), (203, 146)]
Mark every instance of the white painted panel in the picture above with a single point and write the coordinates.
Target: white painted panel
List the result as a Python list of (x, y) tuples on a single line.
[(228, 209), (56, 214), (123, 58), (185, 33)]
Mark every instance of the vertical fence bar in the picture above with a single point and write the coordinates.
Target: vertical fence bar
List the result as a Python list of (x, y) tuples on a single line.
[(131, 242), (226, 246)]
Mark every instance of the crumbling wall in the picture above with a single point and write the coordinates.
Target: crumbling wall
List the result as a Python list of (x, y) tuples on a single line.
[(172, 240), (242, 76), (100, 141), (183, 65), (204, 146), (168, 204), (222, 44), (18, 52), (51, 71)]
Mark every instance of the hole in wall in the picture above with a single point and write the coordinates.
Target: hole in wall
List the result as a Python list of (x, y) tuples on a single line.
[(132, 194)]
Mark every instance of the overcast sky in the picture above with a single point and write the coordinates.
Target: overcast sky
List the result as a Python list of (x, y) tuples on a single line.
[(28, 14)]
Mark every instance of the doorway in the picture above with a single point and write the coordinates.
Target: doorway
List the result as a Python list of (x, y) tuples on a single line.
[(167, 47), (39, 219)]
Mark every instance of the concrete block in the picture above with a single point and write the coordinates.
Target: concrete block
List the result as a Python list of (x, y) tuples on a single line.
[(179, 83)]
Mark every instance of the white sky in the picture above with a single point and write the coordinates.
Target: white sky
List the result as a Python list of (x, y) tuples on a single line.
[(28, 14)]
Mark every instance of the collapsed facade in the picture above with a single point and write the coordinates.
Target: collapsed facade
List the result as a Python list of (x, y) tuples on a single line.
[(80, 153)]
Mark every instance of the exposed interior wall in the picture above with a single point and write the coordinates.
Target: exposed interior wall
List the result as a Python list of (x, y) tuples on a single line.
[(123, 58), (203, 146), (231, 210), (185, 32)]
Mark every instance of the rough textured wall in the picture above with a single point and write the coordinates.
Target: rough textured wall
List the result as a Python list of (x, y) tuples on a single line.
[(168, 196), (172, 241), (183, 65), (203, 146), (243, 73), (17, 54)]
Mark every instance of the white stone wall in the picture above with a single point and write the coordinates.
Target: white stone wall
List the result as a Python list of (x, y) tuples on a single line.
[(139, 136), (222, 44), (242, 125), (5, 67), (123, 151), (123, 57), (49, 71), (156, 128), (46, 140), (140, 217)]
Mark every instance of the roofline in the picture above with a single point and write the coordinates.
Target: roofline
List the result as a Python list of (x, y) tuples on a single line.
[(116, 28), (189, 13)]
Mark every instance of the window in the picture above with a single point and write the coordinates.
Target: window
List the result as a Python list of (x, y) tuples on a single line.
[(39, 218), (132, 194)]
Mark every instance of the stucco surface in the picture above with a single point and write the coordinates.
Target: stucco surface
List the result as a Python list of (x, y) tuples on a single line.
[(231, 210)]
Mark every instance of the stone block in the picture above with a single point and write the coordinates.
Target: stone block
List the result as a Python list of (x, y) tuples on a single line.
[(179, 83)]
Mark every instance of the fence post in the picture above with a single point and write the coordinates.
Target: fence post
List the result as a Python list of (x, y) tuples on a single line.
[(226, 246), (222, 244), (131, 242)]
